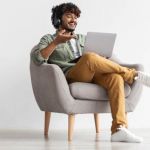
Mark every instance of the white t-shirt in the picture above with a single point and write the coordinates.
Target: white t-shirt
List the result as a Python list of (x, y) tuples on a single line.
[(75, 49)]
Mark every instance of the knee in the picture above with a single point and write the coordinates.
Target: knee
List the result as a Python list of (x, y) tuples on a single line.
[(115, 81), (90, 55), (116, 77)]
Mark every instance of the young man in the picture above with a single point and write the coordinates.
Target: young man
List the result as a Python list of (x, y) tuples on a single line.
[(65, 49)]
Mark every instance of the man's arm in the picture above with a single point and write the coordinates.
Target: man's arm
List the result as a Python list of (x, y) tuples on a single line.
[(47, 46), (61, 37), (46, 52)]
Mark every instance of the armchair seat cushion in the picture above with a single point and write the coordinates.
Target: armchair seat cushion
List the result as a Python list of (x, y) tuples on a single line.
[(91, 91)]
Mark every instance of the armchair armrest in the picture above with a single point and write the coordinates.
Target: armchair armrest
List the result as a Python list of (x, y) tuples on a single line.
[(115, 58), (50, 88), (138, 67)]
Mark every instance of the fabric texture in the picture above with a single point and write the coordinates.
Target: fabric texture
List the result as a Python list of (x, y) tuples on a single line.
[(75, 50), (96, 69), (93, 92), (53, 92), (63, 53)]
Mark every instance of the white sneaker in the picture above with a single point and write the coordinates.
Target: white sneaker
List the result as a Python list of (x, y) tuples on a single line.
[(143, 78), (124, 135)]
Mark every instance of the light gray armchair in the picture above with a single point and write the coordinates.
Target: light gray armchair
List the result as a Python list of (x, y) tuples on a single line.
[(53, 94)]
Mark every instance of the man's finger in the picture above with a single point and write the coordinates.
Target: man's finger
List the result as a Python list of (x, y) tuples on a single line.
[(70, 36), (62, 31), (74, 36)]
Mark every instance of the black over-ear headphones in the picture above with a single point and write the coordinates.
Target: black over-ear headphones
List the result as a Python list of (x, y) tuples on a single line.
[(57, 21)]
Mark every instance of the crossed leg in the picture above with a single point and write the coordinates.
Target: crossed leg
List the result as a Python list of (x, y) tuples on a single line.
[(94, 68), (114, 84)]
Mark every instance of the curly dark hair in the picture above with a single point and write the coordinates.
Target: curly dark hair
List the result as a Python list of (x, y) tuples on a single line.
[(59, 10)]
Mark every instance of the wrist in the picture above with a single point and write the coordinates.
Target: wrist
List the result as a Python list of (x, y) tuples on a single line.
[(55, 42)]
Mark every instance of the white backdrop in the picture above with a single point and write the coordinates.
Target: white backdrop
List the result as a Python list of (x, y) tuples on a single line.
[(24, 22)]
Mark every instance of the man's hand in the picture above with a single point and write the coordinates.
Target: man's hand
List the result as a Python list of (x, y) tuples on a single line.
[(63, 36)]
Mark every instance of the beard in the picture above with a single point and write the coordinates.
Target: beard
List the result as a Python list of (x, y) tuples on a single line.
[(67, 28)]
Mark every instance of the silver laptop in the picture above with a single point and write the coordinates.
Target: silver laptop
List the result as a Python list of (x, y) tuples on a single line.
[(101, 43)]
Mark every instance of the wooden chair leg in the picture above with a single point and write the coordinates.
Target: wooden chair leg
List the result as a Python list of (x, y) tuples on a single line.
[(71, 119), (47, 121), (96, 118)]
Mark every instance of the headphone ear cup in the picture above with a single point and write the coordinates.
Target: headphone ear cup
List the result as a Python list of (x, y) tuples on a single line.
[(57, 22)]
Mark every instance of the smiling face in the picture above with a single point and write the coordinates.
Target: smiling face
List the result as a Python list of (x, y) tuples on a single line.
[(69, 21)]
